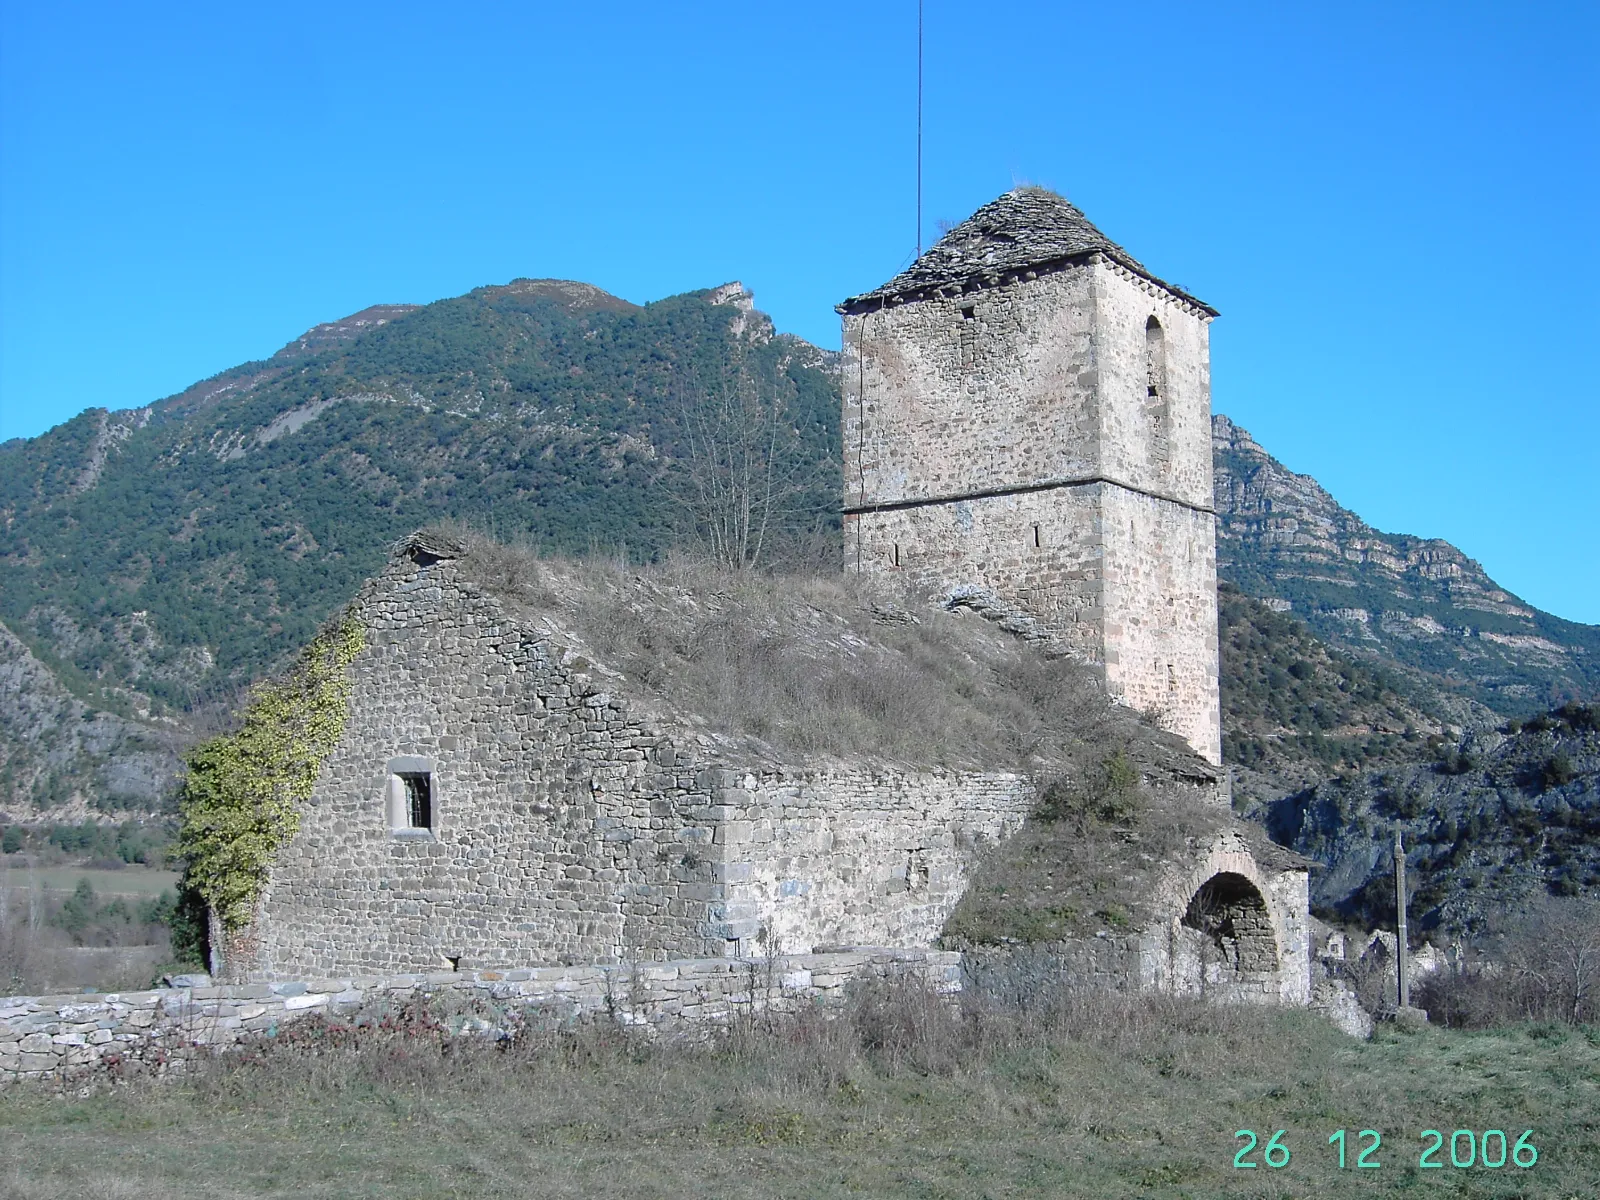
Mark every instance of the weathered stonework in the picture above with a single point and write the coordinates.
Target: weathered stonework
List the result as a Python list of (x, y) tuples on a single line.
[(566, 827), (1041, 429), (43, 1037), (563, 824)]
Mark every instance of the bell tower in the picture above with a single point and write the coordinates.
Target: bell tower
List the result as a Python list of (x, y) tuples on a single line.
[(1027, 409)]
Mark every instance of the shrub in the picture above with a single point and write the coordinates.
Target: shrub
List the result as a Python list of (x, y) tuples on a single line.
[(1110, 795), (1541, 966), (1556, 771), (240, 801)]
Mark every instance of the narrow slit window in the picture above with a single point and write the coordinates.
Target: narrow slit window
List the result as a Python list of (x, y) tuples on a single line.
[(418, 799), (1155, 359), (1158, 409), (894, 555), (1037, 540)]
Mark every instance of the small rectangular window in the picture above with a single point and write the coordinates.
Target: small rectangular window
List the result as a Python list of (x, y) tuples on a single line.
[(969, 314), (411, 797), (419, 799)]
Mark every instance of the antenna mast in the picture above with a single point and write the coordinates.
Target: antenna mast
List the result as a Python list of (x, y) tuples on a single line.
[(919, 128)]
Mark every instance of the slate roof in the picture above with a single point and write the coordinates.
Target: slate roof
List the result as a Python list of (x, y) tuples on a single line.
[(1025, 229)]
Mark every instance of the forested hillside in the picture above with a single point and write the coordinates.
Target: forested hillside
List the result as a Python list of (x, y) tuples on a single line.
[(155, 561)]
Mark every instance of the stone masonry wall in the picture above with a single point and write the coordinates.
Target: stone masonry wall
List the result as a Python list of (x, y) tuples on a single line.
[(1045, 381), (1160, 598), (937, 403), (555, 808), (991, 542), (1124, 303), (1170, 953), (848, 857), (57, 1036), (568, 827)]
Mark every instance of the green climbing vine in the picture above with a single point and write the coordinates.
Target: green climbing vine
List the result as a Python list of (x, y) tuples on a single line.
[(241, 800)]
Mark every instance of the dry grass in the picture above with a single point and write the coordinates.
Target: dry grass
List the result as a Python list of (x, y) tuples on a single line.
[(815, 665), (1089, 1096)]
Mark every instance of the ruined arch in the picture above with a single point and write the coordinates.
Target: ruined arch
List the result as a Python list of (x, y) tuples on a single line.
[(1232, 916)]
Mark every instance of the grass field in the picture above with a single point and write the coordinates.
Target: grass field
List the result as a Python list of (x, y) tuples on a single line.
[(142, 882), (1101, 1098)]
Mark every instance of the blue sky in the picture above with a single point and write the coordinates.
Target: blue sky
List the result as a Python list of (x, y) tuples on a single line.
[(1394, 206)]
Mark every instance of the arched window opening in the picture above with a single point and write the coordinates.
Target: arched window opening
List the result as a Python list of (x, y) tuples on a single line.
[(1157, 409)]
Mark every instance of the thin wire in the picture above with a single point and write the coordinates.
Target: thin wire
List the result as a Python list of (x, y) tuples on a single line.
[(919, 128)]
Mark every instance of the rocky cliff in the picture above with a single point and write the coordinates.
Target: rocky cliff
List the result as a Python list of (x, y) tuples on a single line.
[(1418, 606), (1488, 822)]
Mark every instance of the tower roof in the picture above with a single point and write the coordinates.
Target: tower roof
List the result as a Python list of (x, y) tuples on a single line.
[(1027, 228)]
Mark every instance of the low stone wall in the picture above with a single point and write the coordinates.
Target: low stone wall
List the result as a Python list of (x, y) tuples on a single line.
[(45, 1036)]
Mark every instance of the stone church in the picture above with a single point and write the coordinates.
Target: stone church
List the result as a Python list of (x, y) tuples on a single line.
[(1026, 416)]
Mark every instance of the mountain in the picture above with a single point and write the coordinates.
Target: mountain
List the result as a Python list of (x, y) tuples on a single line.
[(1296, 710), (155, 561), (1416, 607)]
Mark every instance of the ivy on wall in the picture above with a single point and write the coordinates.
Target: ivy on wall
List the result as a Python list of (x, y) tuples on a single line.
[(241, 800)]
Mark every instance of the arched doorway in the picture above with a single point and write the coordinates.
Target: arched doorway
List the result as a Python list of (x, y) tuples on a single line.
[(1234, 946)]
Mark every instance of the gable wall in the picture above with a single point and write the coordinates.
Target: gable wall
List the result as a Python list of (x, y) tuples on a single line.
[(556, 812)]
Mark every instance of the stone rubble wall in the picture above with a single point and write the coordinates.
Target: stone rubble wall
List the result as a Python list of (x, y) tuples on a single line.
[(57, 1036)]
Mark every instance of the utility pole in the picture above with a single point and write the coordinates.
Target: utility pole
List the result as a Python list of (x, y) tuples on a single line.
[(919, 128), (1401, 953)]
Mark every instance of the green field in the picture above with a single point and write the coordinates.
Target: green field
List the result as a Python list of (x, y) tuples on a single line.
[(131, 881), (1104, 1099)]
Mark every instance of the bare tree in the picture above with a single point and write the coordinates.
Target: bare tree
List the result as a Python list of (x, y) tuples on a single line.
[(745, 469), (1557, 956), (1541, 965)]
